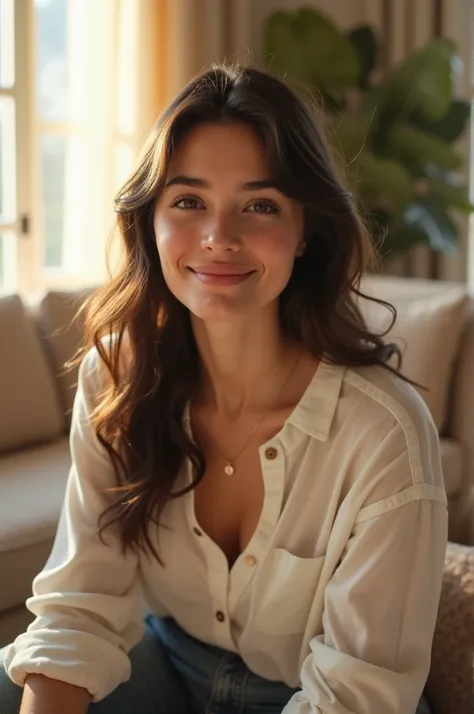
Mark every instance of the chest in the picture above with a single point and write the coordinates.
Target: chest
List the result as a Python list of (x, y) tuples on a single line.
[(228, 506)]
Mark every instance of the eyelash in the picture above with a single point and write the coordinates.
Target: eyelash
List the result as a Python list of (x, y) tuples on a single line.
[(275, 208)]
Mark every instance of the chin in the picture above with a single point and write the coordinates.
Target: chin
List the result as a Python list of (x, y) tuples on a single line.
[(218, 308)]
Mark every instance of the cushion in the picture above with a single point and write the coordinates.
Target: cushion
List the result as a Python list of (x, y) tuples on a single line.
[(62, 332), (19, 568), (29, 407), (29, 512), (431, 317), (449, 689), (28, 523), (453, 460)]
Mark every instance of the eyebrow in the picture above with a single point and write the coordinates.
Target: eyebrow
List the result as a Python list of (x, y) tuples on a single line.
[(201, 183)]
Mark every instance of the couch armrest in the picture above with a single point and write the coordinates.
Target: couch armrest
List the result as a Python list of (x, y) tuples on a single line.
[(461, 417)]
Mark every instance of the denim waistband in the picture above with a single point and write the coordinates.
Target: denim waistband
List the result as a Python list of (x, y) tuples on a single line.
[(217, 681)]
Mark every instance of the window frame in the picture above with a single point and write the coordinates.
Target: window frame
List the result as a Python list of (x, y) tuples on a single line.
[(32, 276), (20, 225)]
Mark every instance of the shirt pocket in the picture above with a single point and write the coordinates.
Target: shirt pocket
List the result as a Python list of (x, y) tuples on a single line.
[(286, 593)]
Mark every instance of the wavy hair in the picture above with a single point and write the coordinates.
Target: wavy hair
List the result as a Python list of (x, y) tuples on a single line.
[(139, 413)]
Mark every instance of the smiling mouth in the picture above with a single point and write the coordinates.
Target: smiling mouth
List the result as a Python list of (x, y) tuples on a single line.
[(230, 277)]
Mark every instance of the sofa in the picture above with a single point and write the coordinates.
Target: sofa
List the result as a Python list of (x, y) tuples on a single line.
[(435, 330)]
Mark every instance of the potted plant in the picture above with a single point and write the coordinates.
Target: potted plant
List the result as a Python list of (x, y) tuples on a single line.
[(397, 131)]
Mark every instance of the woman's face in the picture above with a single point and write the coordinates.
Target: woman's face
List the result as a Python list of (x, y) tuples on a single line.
[(227, 238)]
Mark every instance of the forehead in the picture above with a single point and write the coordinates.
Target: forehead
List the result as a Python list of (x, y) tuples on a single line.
[(220, 148)]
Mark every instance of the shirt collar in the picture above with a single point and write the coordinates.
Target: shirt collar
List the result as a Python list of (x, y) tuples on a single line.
[(315, 411)]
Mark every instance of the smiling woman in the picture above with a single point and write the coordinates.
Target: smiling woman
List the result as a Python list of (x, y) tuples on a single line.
[(243, 452), (236, 228)]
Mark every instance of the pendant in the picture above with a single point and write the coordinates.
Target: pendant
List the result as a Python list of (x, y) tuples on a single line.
[(229, 469)]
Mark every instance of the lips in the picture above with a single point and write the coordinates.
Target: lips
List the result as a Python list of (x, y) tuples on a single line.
[(225, 269), (220, 274)]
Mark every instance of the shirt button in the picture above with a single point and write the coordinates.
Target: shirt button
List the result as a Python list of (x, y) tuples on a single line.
[(271, 453), (197, 531), (250, 561), (220, 616)]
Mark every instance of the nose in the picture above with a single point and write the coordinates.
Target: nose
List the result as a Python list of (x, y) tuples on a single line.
[(221, 236)]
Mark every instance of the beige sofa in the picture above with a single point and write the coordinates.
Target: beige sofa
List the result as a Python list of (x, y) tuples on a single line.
[(36, 400)]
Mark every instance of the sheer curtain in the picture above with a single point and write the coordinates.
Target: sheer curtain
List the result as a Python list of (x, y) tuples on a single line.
[(161, 45)]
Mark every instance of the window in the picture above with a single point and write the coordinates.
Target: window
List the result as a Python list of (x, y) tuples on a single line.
[(61, 102), (8, 105), (69, 133), (71, 70)]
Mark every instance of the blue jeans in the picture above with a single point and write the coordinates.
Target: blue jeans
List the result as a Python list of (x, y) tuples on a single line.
[(173, 673)]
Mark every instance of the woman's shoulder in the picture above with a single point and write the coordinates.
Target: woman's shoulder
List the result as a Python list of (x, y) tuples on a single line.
[(378, 394), (394, 438)]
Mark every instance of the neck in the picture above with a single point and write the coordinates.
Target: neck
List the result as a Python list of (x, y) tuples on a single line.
[(244, 363)]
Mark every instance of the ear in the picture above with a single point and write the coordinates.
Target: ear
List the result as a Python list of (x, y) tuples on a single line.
[(301, 249)]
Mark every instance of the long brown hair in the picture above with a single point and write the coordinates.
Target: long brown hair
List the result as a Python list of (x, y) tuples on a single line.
[(139, 416)]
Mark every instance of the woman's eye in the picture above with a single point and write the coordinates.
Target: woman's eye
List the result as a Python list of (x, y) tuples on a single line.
[(263, 207), (186, 203)]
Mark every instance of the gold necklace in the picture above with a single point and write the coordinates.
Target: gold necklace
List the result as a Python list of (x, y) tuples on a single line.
[(229, 467)]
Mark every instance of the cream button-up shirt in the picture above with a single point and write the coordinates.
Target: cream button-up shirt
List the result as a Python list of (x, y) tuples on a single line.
[(336, 592)]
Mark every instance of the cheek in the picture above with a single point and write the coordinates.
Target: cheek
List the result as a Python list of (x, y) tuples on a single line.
[(277, 250), (172, 241)]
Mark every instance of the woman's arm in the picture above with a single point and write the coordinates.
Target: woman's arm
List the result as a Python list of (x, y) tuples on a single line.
[(50, 696), (381, 602), (87, 598)]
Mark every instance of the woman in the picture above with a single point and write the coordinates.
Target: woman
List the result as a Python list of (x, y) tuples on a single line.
[(242, 452)]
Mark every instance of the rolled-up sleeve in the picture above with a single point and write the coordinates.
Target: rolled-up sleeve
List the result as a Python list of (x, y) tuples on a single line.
[(87, 598), (380, 607)]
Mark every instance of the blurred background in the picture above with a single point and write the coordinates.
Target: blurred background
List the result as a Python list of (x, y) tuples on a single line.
[(82, 81)]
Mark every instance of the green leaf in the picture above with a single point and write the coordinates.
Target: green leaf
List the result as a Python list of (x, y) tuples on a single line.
[(396, 133), (385, 183), (282, 53), (430, 216), (451, 126), (401, 238), (365, 44), (453, 194), (352, 133), (419, 150), (356, 127), (332, 101), (422, 83), (308, 47)]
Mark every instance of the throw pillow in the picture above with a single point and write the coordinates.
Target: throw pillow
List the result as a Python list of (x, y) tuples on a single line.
[(450, 689), (29, 407), (428, 329), (62, 334)]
